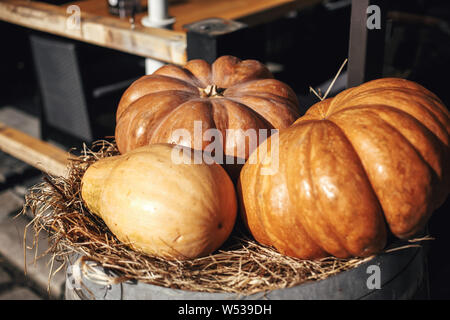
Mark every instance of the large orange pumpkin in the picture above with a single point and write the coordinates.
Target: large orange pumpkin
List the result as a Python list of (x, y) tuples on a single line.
[(373, 158), (229, 94)]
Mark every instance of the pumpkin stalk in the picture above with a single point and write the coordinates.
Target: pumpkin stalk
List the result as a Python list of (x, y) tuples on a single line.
[(211, 91)]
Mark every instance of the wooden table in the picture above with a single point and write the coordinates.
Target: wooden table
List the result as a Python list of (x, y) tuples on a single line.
[(99, 27)]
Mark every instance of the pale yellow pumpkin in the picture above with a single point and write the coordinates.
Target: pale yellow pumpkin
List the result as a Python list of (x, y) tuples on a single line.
[(176, 211)]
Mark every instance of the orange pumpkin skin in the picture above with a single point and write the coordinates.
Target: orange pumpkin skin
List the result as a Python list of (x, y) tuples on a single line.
[(373, 157), (229, 94)]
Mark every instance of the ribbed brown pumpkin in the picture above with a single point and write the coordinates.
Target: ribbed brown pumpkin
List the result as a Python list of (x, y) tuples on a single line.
[(374, 157), (229, 94)]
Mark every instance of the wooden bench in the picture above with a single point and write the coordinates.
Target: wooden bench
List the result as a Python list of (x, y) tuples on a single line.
[(35, 152)]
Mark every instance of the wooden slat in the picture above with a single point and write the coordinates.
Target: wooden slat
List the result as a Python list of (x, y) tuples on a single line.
[(110, 32), (37, 153)]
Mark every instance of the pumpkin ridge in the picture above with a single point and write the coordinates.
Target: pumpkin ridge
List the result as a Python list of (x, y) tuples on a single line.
[(118, 127), (150, 78), (314, 112), (439, 107), (371, 109), (399, 132), (148, 95), (307, 137), (260, 179), (406, 140), (366, 90), (218, 122), (254, 181), (440, 178), (128, 124), (243, 87), (278, 240), (359, 159), (228, 71), (190, 77), (341, 238), (330, 108), (278, 236), (391, 216), (163, 76), (267, 124), (188, 98), (196, 82), (261, 95), (341, 96), (132, 120), (259, 121), (277, 105), (172, 112), (319, 207), (195, 66), (306, 121), (428, 118)]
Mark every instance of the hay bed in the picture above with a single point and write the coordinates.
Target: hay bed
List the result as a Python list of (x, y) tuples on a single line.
[(242, 266)]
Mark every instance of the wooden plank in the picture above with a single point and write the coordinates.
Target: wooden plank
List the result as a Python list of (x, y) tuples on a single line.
[(106, 31), (37, 153)]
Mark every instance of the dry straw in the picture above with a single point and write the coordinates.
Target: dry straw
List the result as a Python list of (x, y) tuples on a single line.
[(240, 266)]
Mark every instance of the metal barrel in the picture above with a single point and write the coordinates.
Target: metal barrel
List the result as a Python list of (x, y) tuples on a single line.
[(400, 274)]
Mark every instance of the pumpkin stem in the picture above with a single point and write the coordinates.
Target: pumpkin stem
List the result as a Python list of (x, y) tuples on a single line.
[(211, 91)]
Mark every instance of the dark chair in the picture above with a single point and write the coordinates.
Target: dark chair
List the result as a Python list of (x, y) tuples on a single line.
[(80, 86)]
